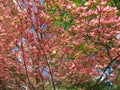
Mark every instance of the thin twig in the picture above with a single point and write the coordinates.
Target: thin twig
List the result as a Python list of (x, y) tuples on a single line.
[(46, 60)]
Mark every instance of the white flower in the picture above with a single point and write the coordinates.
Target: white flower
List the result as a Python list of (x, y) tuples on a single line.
[(118, 36)]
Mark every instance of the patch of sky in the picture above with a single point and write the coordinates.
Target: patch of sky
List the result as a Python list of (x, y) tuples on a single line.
[(23, 3), (41, 1), (45, 71), (32, 30), (44, 26), (43, 36), (34, 6), (22, 40), (16, 49), (108, 71)]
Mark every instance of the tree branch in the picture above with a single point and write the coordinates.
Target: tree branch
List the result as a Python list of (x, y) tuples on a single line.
[(112, 60)]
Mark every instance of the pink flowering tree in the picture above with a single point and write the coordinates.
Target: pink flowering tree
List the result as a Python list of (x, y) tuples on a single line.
[(59, 44)]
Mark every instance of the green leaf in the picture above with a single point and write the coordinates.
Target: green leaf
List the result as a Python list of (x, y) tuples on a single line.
[(82, 47), (78, 2)]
